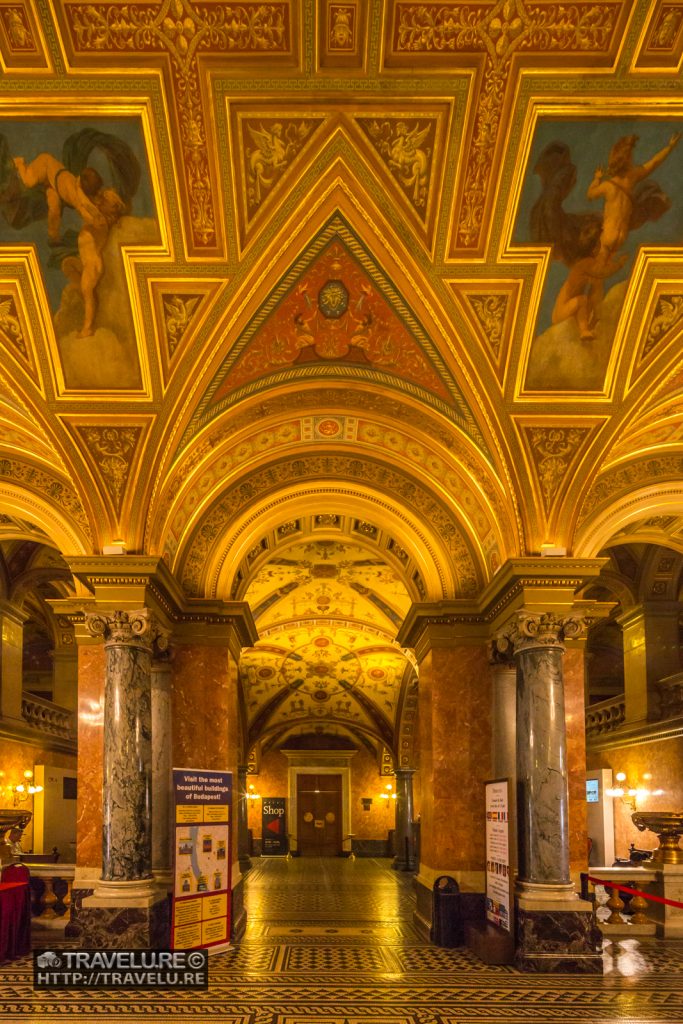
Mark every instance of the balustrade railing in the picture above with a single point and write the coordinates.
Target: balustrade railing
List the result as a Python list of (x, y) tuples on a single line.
[(47, 717), (670, 692), (605, 716), (50, 891)]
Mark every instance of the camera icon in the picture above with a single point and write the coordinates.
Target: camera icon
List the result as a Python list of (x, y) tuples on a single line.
[(48, 959)]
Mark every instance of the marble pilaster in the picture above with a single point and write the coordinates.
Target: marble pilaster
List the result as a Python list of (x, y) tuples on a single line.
[(651, 653), (161, 768), (575, 718), (12, 621), (403, 833), (90, 769), (503, 716)]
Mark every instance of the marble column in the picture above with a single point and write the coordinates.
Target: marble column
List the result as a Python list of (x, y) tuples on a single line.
[(242, 820), (161, 768), (127, 753), (555, 930), (403, 834)]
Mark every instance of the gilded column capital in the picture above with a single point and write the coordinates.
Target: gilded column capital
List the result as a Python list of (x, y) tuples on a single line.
[(134, 629), (528, 632)]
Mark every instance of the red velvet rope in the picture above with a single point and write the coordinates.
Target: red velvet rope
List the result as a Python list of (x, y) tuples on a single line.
[(635, 892)]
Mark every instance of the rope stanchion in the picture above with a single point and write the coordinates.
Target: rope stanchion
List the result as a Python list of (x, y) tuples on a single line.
[(635, 892)]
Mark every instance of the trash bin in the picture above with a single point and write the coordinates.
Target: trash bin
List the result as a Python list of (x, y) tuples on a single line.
[(446, 923)]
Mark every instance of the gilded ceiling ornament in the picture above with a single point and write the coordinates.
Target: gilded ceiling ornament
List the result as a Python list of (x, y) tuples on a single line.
[(342, 27), (184, 31), (269, 147), (510, 26), (10, 327), (490, 312), (48, 486), (406, 147), (668, 314), (553, 450), (178, 311), (643, 472), (112, 449)]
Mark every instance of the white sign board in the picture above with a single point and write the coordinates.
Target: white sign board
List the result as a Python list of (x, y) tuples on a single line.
[(498, 854)]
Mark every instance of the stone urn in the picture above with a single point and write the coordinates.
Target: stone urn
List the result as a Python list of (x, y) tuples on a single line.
[(668, 827)]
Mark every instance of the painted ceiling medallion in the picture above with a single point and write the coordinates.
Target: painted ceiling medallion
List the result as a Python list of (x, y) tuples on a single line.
[(333, 300)]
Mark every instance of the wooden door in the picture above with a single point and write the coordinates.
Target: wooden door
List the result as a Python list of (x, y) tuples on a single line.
[(319, 818)]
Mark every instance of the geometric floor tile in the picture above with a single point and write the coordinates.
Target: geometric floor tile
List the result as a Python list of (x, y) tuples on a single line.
[(333, 942)]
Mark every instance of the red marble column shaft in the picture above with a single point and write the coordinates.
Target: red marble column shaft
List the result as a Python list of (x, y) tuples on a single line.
[(90, 737), (575, 716), (455, 759)]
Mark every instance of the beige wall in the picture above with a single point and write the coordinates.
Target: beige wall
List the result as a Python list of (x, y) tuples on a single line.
[(15, 758)]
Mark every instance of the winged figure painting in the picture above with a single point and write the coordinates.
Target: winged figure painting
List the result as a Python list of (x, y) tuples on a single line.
[(273, 149)]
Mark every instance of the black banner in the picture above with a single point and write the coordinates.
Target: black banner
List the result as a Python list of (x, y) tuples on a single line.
[(273, 826)]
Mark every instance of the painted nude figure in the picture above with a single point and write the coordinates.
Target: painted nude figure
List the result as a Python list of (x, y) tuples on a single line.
[(618, 189), (98, 207), (582, 292)]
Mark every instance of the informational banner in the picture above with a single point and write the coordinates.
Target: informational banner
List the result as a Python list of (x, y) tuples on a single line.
[(273, 826), (201, 859), (498, 894)]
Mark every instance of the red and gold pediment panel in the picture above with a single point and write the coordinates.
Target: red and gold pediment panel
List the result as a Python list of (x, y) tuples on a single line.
[(490, 308), (180, 309), (335, 315)]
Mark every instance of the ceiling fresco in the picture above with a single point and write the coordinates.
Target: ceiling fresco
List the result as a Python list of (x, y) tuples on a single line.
[(415, 265)]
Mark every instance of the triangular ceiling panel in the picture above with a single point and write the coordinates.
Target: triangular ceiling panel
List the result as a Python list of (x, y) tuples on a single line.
[(664, 324), (112, 451), (335, 314), (553, 449), (268, 144), (181, 308), (15, 333), (490, 309)]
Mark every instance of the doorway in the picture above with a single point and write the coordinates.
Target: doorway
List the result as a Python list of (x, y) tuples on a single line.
[(319, 815)]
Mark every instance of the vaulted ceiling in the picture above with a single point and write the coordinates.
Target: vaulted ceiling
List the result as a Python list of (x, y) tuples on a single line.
[(346, 260)]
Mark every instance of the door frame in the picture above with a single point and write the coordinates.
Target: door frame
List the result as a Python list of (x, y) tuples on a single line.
[(315, 764)]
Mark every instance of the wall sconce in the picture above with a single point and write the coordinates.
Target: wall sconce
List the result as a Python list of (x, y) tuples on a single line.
[(366, 802), (252, 794), (388, 793), (23, 791), (630, 793)]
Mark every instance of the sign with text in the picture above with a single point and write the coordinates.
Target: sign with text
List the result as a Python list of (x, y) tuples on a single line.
[(201, 858), (273, 826), (498, 894)]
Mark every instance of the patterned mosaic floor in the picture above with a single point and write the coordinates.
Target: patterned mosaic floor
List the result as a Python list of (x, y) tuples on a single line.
[(332, 942)]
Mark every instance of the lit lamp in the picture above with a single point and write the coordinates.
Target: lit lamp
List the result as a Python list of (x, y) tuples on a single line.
[(252, 794), (24, 790), (388, 793), (630, 793)]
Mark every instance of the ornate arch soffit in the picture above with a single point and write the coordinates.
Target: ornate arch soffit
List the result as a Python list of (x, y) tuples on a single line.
[(54, 511), (639, 491), (206, 540), (393, 432), (342, 516)]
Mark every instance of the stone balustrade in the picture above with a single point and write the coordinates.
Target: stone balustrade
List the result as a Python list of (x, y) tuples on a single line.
[(46, 717), (670, 692), (622, 915), (605, 716), (50, 891)]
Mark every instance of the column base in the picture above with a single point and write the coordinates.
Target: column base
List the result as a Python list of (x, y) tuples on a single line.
[(244, 862), (123, 922), (555, 936), (402, 864)]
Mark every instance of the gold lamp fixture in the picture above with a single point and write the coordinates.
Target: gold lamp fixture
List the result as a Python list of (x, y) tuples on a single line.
[(388, 793), (630, 790), (24, 790), (252, 794)]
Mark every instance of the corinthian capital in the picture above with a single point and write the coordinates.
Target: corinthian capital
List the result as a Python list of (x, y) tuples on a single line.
[(527, 632), (138, 629)]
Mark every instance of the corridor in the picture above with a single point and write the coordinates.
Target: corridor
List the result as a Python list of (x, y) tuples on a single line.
[(331, 941)]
